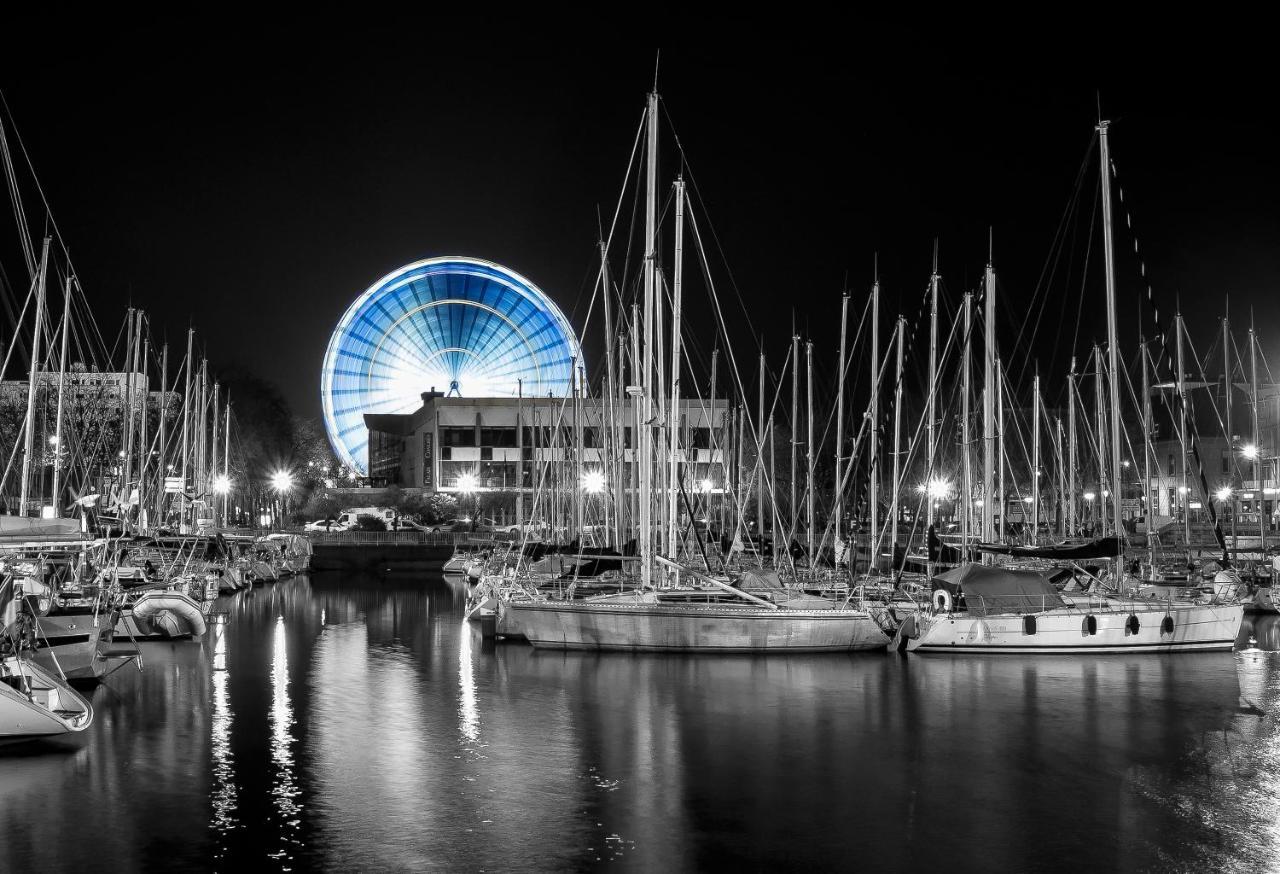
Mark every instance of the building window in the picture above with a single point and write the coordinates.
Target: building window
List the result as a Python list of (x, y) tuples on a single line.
[(457, 437)]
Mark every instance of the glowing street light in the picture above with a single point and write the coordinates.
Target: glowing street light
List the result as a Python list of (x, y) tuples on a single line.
[(1250, 451), (1089, 496), (939, 488), (467, 483), (221, 484), (1223, 494), (281, 481), (592, 482)]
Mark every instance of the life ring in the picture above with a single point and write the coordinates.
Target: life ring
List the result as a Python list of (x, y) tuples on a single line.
[(941, 601)]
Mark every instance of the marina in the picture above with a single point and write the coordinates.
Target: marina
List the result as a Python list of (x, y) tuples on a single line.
[(713, 561)]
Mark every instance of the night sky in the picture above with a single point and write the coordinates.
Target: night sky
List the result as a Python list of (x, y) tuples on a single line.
[(256, 187)]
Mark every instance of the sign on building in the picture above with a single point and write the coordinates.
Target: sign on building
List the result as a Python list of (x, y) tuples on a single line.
[(173, 485), (428, 462)]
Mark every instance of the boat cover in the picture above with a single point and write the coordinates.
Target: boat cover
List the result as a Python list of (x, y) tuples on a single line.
[(989, 590), (760, 580)]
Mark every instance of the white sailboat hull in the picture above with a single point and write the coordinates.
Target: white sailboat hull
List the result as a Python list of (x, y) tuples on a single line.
[(689, 628), (52, 707), (1067, 631)]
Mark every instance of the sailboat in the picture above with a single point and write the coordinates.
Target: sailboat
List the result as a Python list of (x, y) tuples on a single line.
[(677, 607), (980, 608), (34, 703)]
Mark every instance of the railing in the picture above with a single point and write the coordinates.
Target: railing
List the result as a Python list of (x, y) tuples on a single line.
[(395, 538)]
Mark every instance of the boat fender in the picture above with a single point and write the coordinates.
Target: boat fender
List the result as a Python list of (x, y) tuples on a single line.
[(1132, 625), (1166, 627), (1089, 626), (942, 601)]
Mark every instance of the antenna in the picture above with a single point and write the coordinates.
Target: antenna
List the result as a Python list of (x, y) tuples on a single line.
[(657, 59)]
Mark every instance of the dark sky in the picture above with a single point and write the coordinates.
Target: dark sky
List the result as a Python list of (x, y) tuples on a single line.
[(256, 187)]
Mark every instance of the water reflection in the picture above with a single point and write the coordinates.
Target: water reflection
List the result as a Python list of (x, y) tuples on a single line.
[(223, 793), (347, 724), (284, 789)]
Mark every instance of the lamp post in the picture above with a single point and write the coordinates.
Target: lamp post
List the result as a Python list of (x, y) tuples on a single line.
[(281, 483), (467, 484), (221, 486)]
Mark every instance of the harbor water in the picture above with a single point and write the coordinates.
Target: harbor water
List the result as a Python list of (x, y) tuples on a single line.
[(347, 724)]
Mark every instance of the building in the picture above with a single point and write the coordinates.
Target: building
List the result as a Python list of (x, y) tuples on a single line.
[(515, 446)]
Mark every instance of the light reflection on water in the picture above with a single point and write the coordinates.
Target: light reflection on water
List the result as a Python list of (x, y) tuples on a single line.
[(361, 725)]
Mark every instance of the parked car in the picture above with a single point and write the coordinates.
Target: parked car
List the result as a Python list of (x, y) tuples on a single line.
[(325, 525)]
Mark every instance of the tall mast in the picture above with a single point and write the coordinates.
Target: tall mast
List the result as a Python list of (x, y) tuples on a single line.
[(965, 392), (24, 500), (126, 455), (839, 496), (1113, 343), (186, 431), (808, 450), (760, 456), (988, 411), (226, 458), (645, 457), (873, 431), (1100, 423), (897, 445), (1257, 441), (58, 448), (1146, 504), (1062, 517), (164, 432), (1231, 434), (673, 421), (144, 387), (213, 467), (1001, 495), (715, 430), (1035, 460), (1184, 490), (202, 456), (1072, 523), (614, 447), (932, 412), (795, 437)]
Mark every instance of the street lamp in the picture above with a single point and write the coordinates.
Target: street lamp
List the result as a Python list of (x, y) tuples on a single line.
[(592, 482), (281, 483), (1250, 451), (1223, 494)]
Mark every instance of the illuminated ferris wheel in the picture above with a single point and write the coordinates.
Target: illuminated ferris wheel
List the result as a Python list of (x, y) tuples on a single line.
[(462, 326)]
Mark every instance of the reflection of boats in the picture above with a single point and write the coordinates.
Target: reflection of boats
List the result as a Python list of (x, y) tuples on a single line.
[(994, 610)]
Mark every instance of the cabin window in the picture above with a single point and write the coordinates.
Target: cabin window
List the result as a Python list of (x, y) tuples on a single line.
[(1028, 625)]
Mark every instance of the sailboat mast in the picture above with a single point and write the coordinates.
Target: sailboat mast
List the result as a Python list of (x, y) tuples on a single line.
[(988, 411), (186, 430), (873, 431), (226, 458), (839, 496), (760, 455), (1257, 442), (1100, 425), (29, 433), (646, 415), (164, 433), (1184, 490), (1001, 495), (1062, 517), (613, 447), (795, 434), (1072, 522), (932, 412), (126, 455), (966, 391), (673, 420), (1231, 434), (58, 449), (144, 465), (808, 452), (1035, 460), (1146, 504), (897, 444), (1113, 342)]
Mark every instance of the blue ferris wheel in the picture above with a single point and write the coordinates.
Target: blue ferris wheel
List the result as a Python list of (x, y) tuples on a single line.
[(462, 326)]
